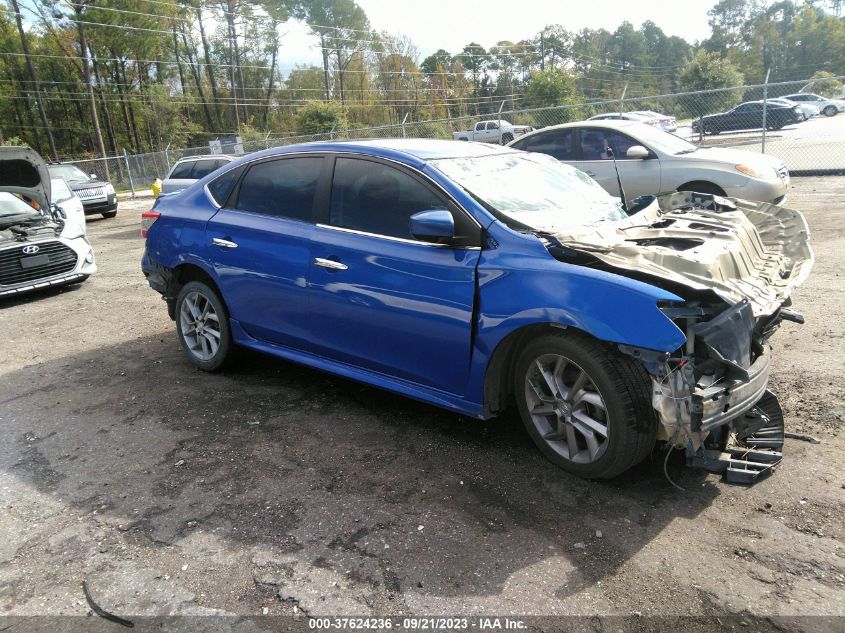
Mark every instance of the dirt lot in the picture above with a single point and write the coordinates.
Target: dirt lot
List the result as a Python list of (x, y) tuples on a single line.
[(274, 486)]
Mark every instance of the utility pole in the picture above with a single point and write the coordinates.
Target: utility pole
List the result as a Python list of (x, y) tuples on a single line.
[(36, 85), (543, 50), (765, 99)]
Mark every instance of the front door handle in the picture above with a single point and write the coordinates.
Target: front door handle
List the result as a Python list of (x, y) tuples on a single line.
[(330, 264), (224, 243)]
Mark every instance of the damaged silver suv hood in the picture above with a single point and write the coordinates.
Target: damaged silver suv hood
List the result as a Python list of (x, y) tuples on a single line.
[(738, 249)]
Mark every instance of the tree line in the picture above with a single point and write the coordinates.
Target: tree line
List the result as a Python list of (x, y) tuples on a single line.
[(89, 78)]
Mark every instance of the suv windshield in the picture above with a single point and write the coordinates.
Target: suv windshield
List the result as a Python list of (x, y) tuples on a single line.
[(69, 173), (534, 189)]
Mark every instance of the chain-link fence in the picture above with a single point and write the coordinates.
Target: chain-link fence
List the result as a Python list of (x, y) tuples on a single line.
[(806, 131)]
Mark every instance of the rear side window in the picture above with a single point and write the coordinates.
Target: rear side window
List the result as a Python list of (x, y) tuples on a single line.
[(182, 170), (558, 144), (202, 168), (222, 186), (376, 198), (281, 188)]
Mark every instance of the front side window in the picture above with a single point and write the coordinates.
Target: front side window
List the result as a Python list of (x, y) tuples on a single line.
[(377, 198), (283, 188), (595, 142)]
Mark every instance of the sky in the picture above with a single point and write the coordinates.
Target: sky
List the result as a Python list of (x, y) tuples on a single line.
[(451, 24)]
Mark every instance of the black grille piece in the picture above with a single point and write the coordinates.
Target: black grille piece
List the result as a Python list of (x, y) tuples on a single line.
[(60, 259)]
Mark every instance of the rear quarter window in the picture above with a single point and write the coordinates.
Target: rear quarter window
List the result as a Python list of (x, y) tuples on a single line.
[(221, 187)]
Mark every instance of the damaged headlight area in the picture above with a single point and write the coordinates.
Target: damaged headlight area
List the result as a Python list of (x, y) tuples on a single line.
[(711, 395)]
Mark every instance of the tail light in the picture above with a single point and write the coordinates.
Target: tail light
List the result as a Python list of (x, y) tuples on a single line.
[(148, 218)]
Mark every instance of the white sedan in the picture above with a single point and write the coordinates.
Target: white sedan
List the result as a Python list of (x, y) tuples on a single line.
[(828, 107), (651, 161)]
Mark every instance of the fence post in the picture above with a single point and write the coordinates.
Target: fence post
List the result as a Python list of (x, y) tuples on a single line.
[(622, 99), (129, 173), (765, 98), (167, 158), (407, 114), (502, 105)]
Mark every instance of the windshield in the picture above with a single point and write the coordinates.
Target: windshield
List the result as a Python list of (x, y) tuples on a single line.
[(68, 173), (663, 141), (59, 190), (533, 189), (11, 205)]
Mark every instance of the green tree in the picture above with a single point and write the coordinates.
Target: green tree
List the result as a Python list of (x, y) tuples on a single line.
[(551, 87), (317, 117), (706, 71)]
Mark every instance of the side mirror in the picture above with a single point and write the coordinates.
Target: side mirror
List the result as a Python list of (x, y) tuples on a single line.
[(432, 226), (637, 151), (93, 176)]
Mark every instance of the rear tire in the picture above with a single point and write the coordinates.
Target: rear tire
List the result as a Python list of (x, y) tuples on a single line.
[(830, 111), (202, 324), (586, 406), (110, 214)]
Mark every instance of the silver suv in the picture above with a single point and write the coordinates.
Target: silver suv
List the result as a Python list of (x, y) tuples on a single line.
[(188, 170)]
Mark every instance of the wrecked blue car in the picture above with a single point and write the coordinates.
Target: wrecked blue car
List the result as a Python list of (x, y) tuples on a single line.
[(476, 277)]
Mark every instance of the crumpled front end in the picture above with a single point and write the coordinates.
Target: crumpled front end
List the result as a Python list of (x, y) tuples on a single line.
[(735, 263)]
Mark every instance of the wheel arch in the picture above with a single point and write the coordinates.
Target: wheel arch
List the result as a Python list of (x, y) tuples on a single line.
[(183, 274), (712, 186), (498, 379)]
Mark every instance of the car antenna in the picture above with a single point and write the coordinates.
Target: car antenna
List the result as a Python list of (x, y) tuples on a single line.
[(618, 179)]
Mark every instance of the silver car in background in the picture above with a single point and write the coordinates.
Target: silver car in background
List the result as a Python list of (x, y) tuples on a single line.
[(667, 123), (188, 170), (651, 161)]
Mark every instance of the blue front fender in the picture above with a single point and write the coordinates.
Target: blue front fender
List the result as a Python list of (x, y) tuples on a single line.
[(523, 285)]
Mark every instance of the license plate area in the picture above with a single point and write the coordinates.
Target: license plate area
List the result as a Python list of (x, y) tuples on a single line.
[(35, 261)]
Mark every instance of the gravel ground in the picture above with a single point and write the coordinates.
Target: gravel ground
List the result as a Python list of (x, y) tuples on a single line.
[(276, 489)]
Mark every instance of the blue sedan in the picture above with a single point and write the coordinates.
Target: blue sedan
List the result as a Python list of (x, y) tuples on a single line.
[(428, 268)]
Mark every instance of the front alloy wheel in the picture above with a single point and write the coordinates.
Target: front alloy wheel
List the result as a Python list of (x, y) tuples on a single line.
[(586, 405), (567, 408), (203, 326)]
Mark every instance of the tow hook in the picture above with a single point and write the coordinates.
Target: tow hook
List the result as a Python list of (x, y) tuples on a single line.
[(754, 447)]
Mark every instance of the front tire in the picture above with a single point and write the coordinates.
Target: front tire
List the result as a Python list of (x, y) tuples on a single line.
[(110, 214), (586, 406), (830, 111), (202, 324)]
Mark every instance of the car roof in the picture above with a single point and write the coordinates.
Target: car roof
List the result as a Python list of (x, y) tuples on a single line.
[(631, 127), (414, 151), (206, 157)]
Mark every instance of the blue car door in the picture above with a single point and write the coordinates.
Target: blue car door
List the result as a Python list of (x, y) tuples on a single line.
[(260, 245), (381, 299)]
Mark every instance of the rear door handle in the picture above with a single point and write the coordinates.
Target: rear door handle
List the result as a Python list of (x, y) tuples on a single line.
[(330, 264), (224, 243)]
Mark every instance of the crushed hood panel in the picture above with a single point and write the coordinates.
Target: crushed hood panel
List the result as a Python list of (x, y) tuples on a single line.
[(738, 249)]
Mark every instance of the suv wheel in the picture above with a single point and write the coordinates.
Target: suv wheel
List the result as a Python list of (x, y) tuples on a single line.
[(586, 406), (203, 326)]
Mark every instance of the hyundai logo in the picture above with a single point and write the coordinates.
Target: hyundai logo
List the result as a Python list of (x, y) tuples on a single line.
[(31, 249)]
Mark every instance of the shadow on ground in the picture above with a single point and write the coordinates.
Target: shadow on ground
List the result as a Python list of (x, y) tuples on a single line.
[(327, 477)]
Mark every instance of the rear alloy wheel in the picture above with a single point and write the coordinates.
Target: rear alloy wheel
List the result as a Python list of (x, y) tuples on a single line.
[(203, 326), (586, 406), (830, 110)]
